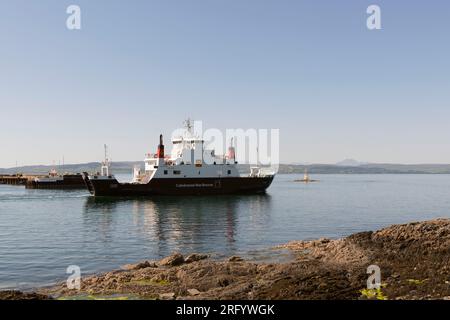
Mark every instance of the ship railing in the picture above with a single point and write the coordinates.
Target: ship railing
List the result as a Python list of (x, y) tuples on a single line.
[(261, 172)]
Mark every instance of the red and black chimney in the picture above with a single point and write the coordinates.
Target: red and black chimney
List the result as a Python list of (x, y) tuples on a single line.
[(160, 152)]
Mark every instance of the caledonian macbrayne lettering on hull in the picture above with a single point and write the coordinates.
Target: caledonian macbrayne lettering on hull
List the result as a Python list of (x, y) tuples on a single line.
[(189, 170)]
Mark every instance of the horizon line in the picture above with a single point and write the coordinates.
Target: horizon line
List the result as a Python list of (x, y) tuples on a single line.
[(281, 163)]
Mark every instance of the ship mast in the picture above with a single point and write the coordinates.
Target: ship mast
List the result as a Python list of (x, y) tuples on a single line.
[(188, 124), (106, 163)]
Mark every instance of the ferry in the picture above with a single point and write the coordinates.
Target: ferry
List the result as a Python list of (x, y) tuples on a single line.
[(188, 170)]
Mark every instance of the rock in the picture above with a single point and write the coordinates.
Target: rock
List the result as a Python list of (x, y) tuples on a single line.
[(195, 257), (172, 261), (146, 264), (193, 292), (223, 282), (94, 280), (235, 259), (128, 266), (18, 295), (140, 265), (332, 270), (167, 296), (181, 275)]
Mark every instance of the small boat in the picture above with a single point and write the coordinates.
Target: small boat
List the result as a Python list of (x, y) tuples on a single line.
[(306, 178), (56, 181)]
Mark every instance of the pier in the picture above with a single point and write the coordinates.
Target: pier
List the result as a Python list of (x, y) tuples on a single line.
[(65, 181), (16, 180)]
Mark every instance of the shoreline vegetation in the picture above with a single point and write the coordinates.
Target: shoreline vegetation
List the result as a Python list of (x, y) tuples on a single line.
[(414, 261)]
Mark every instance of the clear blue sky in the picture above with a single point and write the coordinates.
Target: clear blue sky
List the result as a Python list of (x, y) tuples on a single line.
[(310, 68)]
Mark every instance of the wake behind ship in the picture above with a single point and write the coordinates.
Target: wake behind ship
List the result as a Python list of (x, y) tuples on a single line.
[(189, 170)]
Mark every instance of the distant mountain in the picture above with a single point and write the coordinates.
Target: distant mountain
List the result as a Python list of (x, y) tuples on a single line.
[(350, 163)]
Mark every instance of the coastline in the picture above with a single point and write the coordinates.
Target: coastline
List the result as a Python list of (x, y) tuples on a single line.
[(414, 260)]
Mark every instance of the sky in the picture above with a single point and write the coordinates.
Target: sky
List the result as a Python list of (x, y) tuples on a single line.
[(311, 69)]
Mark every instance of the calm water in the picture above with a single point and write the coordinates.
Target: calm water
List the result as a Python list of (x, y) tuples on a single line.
[(42, 232)]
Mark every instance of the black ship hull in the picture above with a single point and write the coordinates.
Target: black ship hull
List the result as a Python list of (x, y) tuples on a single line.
[(174, 186), (69, 181)]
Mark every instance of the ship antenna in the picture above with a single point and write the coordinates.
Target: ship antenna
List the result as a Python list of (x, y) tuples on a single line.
[(105, 160), (188, 125), (257, 156)]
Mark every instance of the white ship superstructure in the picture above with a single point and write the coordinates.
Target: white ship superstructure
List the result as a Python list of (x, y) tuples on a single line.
[(188, 159)]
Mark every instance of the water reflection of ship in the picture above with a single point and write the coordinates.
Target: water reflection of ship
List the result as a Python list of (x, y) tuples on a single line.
[(189, 223)]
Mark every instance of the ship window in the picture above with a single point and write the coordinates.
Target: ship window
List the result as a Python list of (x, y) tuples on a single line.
[(176, 172), (165, 171), (229, 171)]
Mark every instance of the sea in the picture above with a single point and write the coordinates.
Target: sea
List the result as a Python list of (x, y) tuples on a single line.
[(43, 232)]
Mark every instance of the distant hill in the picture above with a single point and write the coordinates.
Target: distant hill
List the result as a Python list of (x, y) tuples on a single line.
[(372, 168), (117, 167), (350, 163), (369, 168), (411, 168)]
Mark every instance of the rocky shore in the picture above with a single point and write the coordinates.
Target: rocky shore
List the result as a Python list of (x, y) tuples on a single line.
[(414, 260)]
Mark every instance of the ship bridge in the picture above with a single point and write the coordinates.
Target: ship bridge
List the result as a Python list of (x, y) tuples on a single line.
[(187, 149)]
